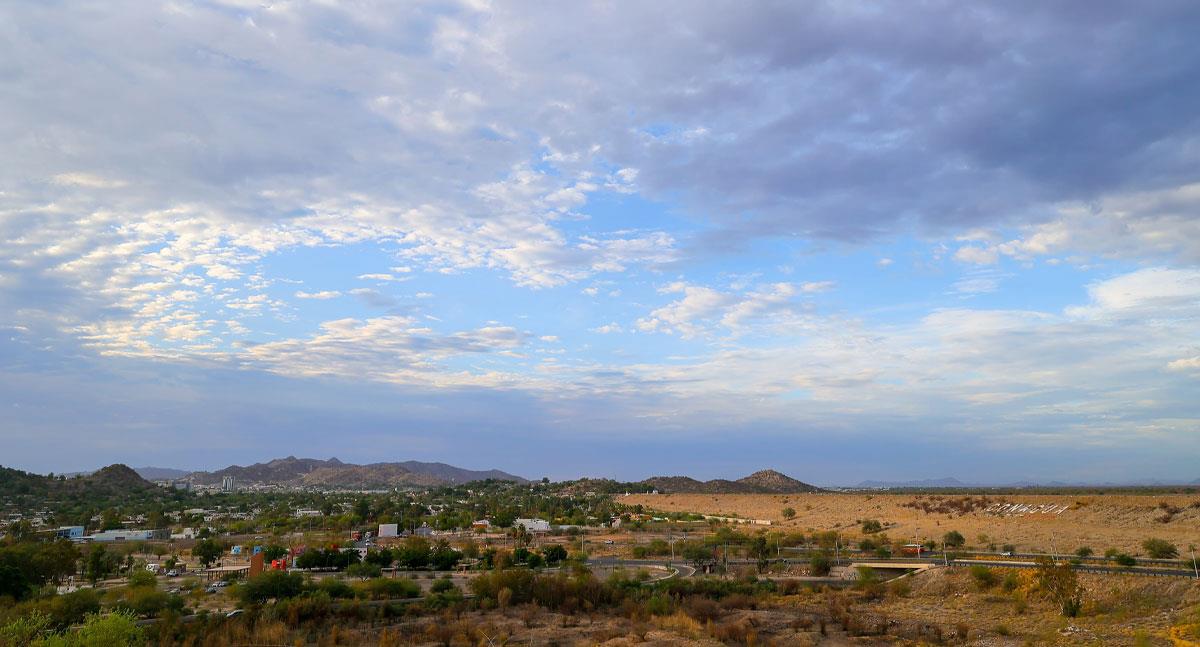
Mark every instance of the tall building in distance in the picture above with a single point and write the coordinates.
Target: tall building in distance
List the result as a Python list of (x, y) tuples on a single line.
[(228, 484)]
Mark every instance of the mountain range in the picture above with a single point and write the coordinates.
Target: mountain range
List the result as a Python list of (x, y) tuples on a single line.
[(761, 482), (313, 472)]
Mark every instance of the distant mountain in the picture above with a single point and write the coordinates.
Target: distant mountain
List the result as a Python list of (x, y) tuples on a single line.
[(115, 481), (333, 473), (160, 473), (925, 483), (761, 482)]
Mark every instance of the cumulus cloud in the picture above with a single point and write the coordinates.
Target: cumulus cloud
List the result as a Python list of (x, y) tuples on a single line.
[(322, 295)]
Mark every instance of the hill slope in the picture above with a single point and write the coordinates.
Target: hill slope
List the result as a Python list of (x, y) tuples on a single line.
[(312, 472), (761, 482)]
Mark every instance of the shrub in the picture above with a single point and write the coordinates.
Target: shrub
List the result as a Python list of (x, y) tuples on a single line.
[(1083, 551), (271, 584), (954, 539), (1122, 559), (335, 588), (142, 578), (789, 513), (385, 587), (1060, 584), (819, 564), (365, 570), (1010, 582), (985, 578), (1160, 549), (871, 526)]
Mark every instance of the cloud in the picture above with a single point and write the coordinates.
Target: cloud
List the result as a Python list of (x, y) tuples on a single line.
[(1185, 364), (322, 295), (608, 328), (977, 255), (702, 308)]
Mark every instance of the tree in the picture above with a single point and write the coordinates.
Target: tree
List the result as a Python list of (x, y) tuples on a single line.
[(1083, 551), (954, 539), (273, 552), (364, 570), (1160, 549), (819, 565), (99, 564), (789, 513), (1061, 585), (554, 554), (871, 526), (760, 552), (207, 551), (271, 584)]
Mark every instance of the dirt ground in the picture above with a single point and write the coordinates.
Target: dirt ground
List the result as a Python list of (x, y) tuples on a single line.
[(1047, 522)]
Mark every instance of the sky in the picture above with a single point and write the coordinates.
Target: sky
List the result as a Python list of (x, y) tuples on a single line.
[(848, 241)]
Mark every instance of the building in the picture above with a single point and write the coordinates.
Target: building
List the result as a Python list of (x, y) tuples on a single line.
[(482, 525), (124, 534), (389, 529), (533, 525), (69, 532), (228, 484), (424, 531)]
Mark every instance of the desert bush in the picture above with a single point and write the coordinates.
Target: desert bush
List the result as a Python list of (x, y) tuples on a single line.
[(271, 584), (871, 526), (335, 588), (819, 564), (1061, 585), (1122, 559), (985, 578), (954, 539), (1010, 582), (387, 587), (702, 609), (1160, 549)]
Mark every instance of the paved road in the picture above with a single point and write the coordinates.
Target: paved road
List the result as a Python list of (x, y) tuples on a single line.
[(679, 570)]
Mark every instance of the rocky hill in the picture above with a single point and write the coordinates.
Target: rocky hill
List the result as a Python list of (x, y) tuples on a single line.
[(333, 473), (761, 482)]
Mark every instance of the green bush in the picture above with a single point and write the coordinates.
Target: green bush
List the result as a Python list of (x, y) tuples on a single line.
[(819, 564), (985, 578), (268, 585), (954, 539), (335, 588), (1124, 560), (386, 587), (1160, 549), (871, 526)]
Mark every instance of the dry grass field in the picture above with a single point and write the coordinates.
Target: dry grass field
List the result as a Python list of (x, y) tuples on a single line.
[(1098, 521)]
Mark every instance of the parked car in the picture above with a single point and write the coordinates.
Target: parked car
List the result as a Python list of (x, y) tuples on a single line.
[(172, 573)]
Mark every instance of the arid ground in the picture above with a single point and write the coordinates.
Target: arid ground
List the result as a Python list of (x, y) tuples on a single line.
[(1058, 522)]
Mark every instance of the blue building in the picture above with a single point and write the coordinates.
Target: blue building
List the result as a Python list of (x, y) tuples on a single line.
[(69, 532)]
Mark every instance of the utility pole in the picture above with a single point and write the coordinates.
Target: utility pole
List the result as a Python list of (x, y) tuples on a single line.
[(1195, 569)]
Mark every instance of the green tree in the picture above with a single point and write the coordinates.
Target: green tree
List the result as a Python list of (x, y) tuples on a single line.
[(789, 513), (954, 539), (819, 565), (871, 526), (207, 551)]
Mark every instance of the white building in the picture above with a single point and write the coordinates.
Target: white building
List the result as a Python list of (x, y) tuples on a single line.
[(389, 529), (533, 525)]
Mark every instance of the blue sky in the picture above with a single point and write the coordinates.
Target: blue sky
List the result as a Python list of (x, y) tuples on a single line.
[(845, 241)]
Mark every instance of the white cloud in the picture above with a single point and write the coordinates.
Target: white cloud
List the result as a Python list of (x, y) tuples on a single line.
[(608, 328), (977, 255), (322, 295), (1185, 364)]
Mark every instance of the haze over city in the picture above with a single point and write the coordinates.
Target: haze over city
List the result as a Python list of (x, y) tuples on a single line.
[(897, 241)]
